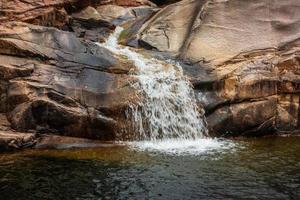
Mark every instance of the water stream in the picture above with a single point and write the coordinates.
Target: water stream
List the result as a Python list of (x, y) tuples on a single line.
[(167, 116)]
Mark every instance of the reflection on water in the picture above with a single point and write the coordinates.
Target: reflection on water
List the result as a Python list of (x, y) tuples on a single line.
[(267, 168)]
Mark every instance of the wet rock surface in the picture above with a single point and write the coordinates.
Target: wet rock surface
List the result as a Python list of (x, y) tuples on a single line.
[(241, 56)]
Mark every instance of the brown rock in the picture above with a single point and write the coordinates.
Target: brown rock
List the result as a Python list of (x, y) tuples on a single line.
[(13, 140), (243, 60), (133, 3), (89, 24), (219, 31), (64, 86), (96, 24), (10, 139), (52, 12), (114, 14), (46, 13)]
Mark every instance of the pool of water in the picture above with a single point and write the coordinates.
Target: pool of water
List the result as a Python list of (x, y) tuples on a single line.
[(265, 168)]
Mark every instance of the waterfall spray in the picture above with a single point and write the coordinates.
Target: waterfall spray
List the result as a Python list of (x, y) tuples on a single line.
[(168, 109)]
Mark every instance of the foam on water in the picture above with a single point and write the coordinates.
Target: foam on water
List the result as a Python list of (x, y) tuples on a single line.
[(168, 117), (183, 147)]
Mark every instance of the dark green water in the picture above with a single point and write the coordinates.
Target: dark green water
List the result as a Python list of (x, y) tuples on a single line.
[(266, 168)]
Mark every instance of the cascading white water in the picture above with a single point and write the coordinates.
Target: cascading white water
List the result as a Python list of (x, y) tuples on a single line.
[(168, 109), (167, 117)]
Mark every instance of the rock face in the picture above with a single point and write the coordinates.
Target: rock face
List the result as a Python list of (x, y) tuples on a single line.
[(50, 13), (96, 24), (53, 12), (10, 139), (60, 82), (118, 14), (63, 86), (243, 59)]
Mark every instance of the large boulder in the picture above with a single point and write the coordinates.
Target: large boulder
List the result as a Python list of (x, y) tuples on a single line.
[(55, 83), (97, 23), (53, 12), (47, 13), (118, 14), (243, 59), (217, 31), (88, 24)]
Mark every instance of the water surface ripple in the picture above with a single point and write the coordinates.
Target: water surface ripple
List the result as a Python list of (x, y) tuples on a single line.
[(266, 168)]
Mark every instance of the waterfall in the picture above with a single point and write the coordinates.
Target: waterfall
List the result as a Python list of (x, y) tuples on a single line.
[(168, 108)]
